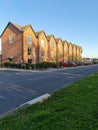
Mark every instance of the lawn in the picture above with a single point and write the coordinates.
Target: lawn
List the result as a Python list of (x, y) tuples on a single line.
[(72, 108)]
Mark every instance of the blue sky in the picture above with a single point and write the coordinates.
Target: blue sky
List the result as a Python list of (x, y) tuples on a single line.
[(73, 20)]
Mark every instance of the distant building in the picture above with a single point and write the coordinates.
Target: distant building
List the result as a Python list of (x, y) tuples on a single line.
[(90, 60)]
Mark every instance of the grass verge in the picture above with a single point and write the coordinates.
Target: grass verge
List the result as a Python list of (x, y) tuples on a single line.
[(72, 108)]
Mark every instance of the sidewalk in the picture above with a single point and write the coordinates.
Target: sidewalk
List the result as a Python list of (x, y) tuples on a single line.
[(39, 71), (27, 70)]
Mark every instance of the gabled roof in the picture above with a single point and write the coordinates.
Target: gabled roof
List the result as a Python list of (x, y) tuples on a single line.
[(69, 43), (23, 28), (18, 27), (74, 45), (65, 41), (57, 39), (15, 25), (39, 33), (49, 37)]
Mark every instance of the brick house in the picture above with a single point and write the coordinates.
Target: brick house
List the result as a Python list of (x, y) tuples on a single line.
[(23, 44), (65, 50), (70, 48), (52, 48), (74, 53), (19, 43), (42, 46), (59, 50)]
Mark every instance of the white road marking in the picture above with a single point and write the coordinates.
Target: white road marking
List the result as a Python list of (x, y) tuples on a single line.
[(69, 74), (38, 78)]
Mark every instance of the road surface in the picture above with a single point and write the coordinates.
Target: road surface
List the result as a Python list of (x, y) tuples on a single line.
[(17, 87)]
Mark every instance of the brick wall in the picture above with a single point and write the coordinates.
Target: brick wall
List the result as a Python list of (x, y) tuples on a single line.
[(33, 45), (15, 48), (52, 50), (59, 47)]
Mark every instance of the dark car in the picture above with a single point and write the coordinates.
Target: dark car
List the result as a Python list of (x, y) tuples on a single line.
[(68, 64), (64, 64)]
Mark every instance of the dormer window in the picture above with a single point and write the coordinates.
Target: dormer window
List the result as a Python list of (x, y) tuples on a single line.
[(29, 38), (10, 39)]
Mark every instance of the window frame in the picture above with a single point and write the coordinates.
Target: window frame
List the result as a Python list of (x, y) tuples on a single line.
[(52, 54), (52, 45), (30, 61), (10, 39), (42, 42), (29, 50), (29, 39), (42, 53)]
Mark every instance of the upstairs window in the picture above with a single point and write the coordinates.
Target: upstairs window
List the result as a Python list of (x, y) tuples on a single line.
[(65, 48), (29, 38), (29, 50), (59, 47), (10, 39), (52, 45), (42, 42)]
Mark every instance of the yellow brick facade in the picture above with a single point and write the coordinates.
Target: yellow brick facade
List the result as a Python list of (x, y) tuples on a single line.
[(74, 53), (42, 46), (70, 49), (59, 50), (52, 48), (33, 47), (65, 50)]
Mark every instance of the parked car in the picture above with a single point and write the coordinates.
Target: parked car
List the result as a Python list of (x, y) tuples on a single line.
[(68, 64), (78, 63), (72, 64), (64, 64)]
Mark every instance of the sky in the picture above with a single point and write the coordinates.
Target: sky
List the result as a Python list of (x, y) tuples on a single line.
[(73, 20)]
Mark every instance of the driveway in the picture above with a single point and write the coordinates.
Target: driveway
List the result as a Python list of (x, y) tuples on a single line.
[(18, 87)]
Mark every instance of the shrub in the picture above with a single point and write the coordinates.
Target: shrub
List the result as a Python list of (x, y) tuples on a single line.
[(7, 64)]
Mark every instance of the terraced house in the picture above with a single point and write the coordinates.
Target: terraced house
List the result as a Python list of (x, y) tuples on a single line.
[(52, 48), (23, 44)]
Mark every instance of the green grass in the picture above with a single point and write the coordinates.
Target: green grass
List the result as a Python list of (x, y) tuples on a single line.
[(72, 108)]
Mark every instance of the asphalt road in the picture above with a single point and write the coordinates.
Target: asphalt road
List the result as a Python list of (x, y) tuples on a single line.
[(17, 88)]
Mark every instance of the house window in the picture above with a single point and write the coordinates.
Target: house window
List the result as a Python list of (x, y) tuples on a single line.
[(42, 42), (65, 48), (30, 61), (59, 47), (42, 53), (29, 50), (52, 54), (10, 38), (29, 39), (52, 45)]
